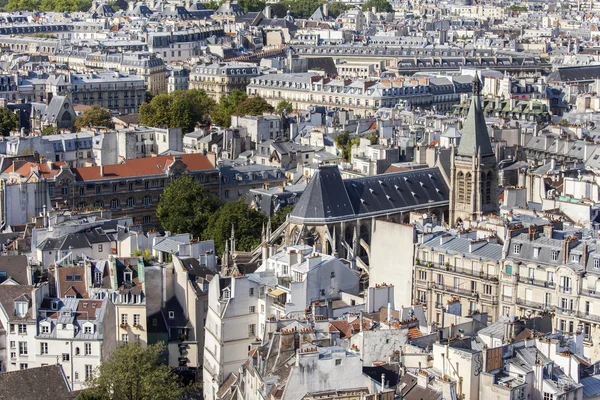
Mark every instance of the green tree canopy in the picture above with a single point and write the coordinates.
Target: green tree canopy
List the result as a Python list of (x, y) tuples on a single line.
[(253, 106), (134, 373), (247, 222), (280, 216), (49, 5), (227, 105), (185, 206), (284, 105), (380, 6), (252, 5), (8, 121), (337, 7), (180, 109), (95, 116)]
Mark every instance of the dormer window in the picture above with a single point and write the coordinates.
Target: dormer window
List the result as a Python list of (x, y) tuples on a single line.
[(536, 252), (597, 263), (171, 314), (575, 258), (517, 248), (127, 276), (21, 309), (554, 255), (54, 305)]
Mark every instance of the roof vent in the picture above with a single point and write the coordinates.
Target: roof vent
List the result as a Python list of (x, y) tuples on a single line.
[(430, 176), (388, 197), (362, 200), (380, 182), (406, 178), (371, 190), (397, 187), (422, 184), (414, 194)]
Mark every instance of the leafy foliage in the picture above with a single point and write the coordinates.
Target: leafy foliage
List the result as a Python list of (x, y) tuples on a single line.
[(252, 5), (253, 106), (280, 216), (517, 9), (49, 5), (178, 109), (146, 255), (49, 130), (8, 121), (186, 207), (337, 7), (95, 116), (134, 373), (344, 142), (302, 8), (380, 6), (227, 105), (247, 222), (284, 105)]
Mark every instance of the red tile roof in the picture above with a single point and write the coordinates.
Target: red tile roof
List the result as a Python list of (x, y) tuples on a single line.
[(414, 333), (46, 170), (142, 167)]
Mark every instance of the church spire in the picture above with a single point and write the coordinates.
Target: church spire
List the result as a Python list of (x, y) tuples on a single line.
[(475, 138)]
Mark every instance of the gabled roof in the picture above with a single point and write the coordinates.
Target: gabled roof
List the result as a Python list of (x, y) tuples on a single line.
[(475, 137), (15, 268)]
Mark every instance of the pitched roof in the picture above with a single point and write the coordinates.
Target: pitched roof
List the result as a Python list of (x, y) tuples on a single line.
[(41, 383), (14, 267), (142, 167), (328, 198), (8, 295), (475, 135)]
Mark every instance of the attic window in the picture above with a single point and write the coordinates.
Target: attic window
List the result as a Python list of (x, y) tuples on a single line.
[(127, 276), (171, 314), (69, 278), (54, 305), (77, 278), (20, 309)]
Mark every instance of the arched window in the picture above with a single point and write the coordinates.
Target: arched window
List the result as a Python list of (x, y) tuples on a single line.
[(468, 187), (488, 187), (460, 184)]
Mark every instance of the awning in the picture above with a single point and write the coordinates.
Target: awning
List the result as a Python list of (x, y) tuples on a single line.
[(276, 292)]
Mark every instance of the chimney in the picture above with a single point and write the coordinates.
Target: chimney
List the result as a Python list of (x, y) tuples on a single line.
[(548, 230), (49, 97), (325, 10), (102, 170), (267, 12)]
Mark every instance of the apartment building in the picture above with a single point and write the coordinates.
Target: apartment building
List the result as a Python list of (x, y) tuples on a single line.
[(220, 79), (232, 327), (459, 270), (373, 159), (18, 318), (71, 331), (362, 96), (114, 146), (181, 45), (554, 272), (111, 90), (146, 65), (238, 179)]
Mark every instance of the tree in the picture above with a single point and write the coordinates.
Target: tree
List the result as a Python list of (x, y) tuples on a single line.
[(8, 121), (337, 7), (253, 106), (284, 105), (49, 130), (145, 254), (302, 8), (95, 116), (134, 373), (246, 221), (185, 206), (252, 5), (380, 6), (227, 105), (180, 109), (280, 216)]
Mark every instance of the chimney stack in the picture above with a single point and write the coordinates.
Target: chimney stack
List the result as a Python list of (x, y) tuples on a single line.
[(102, 170)]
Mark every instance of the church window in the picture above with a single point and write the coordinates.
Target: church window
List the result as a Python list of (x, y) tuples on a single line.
[(461, 187), (469, 187)]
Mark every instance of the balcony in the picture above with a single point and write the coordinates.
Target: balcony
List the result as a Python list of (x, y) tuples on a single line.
[(285, 283), (536, 282), (457, 290), (587, 316), (535, 305), (565, 289), (457, 270)]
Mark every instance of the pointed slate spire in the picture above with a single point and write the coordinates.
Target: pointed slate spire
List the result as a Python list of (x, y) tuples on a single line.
[(475, 138)]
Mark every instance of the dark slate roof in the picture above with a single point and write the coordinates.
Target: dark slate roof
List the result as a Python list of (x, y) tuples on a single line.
[(179, 316), (328, 198), (10, 293), (325, 197), (41, 383), (475, 135), (412, 391), (14, 267), (325, 63), (583, 73)]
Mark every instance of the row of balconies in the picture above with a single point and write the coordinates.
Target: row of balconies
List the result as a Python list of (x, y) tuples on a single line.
[(457, 270)]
